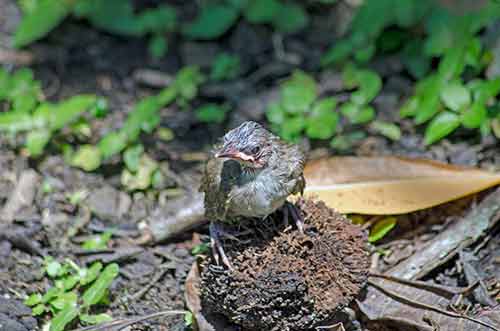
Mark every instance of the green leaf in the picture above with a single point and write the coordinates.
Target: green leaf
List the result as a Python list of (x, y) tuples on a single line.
[(95, 319), (200, 249), (212, 22), (410, 107), (159, 20), (211, 113), (188, 319), (144, 116), (322, 121), (46, 15), (36, 141), (64, 300), (98, 241), (483, 91), (275, 113), (292, 127), (225, 67), (33, 299), (64, 317), (455, 96), (39, 309), (97, 291), (115, 16), (369, 86), (473, 117), (158, 46), (112, 143), (298, 92), (261, 11), (453, 63), (51, 294), (68, 110), (345, 142), (142, 179), (87, 157), (428, 92), (187, 81), (357, 114), (340, 51), (132, 156), (441, 126), (415, 60), (389, 130), (364, 54), (381, 228), (53, 268), (69, 282), (16, 121), (291, 18), (90, 274)]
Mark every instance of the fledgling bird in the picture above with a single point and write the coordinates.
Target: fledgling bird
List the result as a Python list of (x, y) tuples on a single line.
[(251, 174)]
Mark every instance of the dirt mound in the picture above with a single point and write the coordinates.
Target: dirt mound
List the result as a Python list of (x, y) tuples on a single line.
[(285, 280)]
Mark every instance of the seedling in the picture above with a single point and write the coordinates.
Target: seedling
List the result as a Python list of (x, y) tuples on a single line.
[(75, 292)]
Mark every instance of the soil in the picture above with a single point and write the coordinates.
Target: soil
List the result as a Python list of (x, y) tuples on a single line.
[(75, 58), (284, 279)]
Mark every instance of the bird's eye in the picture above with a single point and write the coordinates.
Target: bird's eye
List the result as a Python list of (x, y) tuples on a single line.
[(255, 150)]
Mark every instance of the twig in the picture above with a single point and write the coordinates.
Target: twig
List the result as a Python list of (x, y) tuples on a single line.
[(123, 323), (429, 307), (438, 289)]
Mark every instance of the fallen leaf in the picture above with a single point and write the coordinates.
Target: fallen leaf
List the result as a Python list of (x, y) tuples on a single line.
[(391, 185)]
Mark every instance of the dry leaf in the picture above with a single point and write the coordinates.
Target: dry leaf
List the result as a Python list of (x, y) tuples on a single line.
[(391, 185)]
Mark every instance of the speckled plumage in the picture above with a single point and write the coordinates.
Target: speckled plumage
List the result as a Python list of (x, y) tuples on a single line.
[(234, 189)]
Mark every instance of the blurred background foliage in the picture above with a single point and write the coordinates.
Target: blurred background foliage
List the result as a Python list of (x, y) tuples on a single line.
[(455, 70)]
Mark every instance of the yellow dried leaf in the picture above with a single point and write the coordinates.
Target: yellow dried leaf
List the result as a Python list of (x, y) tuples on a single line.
[(391, 185)]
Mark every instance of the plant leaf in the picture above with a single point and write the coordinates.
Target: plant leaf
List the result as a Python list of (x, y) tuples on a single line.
[(441, 126), (298, 92), (323, 120), (36, 141), (97, 291), (473, 117), (212, 22), (391, 185), (261, 11), (64, 317), (87, 157), (455, 96), (95, 319), (389, 130), (381, 228), (46, 15), (291, 18)]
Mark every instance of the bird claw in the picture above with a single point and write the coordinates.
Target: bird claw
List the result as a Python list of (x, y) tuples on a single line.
[(296, 216), (217, 247)]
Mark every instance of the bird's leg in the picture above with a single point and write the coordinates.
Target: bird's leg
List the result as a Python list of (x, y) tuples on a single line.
[(298, 219), (217, 247)]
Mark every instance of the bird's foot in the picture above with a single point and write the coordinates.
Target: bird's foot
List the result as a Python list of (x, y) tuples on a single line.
[(291, 209), (217, 247)]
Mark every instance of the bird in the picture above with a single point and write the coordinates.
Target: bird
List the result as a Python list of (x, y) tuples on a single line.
[(250, 174)]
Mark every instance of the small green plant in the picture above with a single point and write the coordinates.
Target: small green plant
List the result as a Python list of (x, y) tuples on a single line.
[(75, 293), (453, 95), (300, 110), (225, 67), (215, 19), (115, 16), (38, 120)]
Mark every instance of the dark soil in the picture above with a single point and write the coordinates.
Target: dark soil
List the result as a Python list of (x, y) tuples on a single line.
[(287, 280)]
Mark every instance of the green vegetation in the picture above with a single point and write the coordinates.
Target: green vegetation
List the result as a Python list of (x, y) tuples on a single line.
[(456, 94), (118, 16), (442, 51), (75, 293), (301, 112)]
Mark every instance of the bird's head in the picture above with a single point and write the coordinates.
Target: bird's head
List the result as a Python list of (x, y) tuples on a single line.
[(249, 144)]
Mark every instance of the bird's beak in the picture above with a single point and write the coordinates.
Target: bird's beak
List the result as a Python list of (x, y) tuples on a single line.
[(234, 154)]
